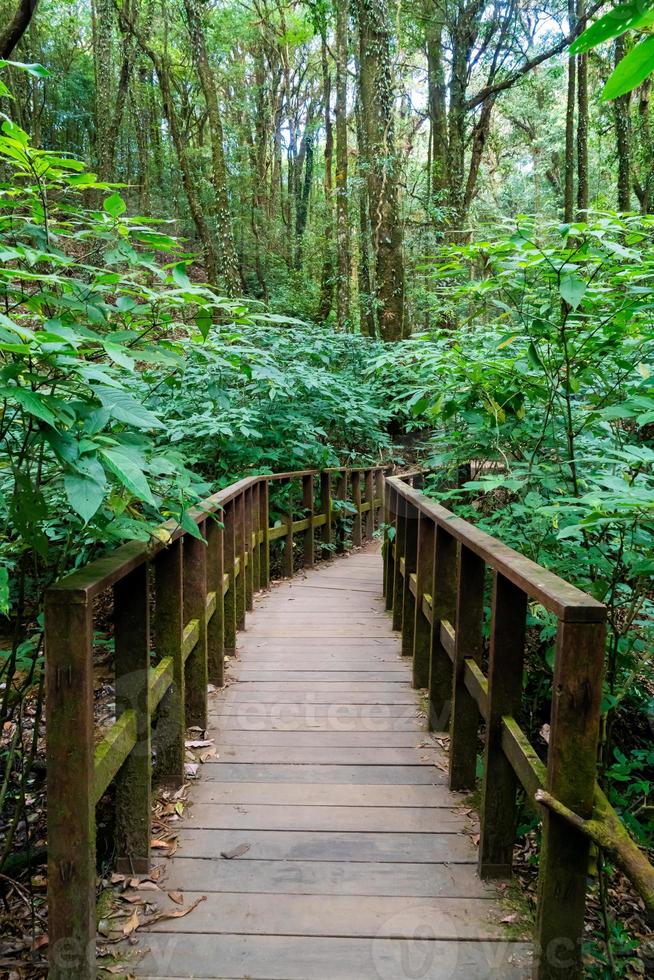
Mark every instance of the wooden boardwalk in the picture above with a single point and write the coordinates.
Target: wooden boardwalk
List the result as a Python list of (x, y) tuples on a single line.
[(353, 859)]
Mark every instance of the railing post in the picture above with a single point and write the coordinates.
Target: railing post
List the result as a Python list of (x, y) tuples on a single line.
[(370, 498), (256, 542), (443, 609), (506, 661), (229, 567), (239, 546), (468, 643), (424, 584), (341, 493), (170, 730), (195, 608), (356, 500), (398, 580), (215, 626), (265, 530), (308, 552), (326, 509), (409, 603), (571, 774), (287, 554), (132, 660), (390, 520), (70, 772), (248, 549)]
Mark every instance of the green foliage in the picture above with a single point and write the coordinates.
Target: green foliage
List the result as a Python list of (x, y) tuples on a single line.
[(637, 64)]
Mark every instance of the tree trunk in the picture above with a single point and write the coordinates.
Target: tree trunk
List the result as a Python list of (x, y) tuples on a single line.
[(12, 34), (582, 123), (103, 35), (438, 141), (366, 306), (229, 268), (344, 260), (569, 181), (327, 278), (377, 96), (621, 107)]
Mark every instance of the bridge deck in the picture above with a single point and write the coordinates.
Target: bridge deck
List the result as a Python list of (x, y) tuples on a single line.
[(352, 858)]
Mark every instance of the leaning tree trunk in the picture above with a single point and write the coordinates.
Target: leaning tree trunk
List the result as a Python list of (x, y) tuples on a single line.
[(569, 164), (327, 278), (377, 96), (229, 267)]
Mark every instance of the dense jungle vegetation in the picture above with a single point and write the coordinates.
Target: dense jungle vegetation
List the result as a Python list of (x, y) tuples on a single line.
[(254, 235)]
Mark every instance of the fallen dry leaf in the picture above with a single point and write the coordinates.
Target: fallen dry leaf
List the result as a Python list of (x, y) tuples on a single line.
[(177, 914), (132, 923), (236, 851), (176, 897)]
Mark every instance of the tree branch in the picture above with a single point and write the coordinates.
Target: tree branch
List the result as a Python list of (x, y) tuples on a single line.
[(12, 34), (508, 82)]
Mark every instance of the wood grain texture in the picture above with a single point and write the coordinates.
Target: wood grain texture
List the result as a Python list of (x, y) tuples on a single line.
[(360, 862)]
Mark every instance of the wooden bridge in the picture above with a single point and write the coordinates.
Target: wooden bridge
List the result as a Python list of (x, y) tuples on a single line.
[(331, 835)]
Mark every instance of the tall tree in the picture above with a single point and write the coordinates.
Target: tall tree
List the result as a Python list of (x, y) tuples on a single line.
[(13, 32), (228, 260), (376, 93), (621, 115), (342, 204)]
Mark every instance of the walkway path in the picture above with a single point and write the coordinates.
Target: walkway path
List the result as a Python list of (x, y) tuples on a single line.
[(351, 858)]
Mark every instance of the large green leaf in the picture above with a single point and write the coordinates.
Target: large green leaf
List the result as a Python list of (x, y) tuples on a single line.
[(622, 18), (86, 487), (125, 408), (132, 477), (631, 71), (30, 401), (572, 289)]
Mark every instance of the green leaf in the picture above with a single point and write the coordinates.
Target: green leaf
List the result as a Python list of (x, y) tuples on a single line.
[(119, 355), (121, 464), (572, 289), (180, 275), (631, 71), (86, 488), (614, 23), (114, 205), (34, 69), (30, 402), (4, 591), (125, 408)]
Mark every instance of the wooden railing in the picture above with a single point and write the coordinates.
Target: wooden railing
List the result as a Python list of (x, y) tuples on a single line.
[(436, 568), (178, 604)]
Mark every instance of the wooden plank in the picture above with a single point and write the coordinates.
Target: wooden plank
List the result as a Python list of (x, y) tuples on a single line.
[(424, 583), (329, 878), (170, 726), (443, 608), (298, 845), (195, 608), (315, 958), (329, 773), (243, 693), (322, 794), (275, 676), (270, 754), (346, 819), (329, 685), (326, 739), (343, 915)]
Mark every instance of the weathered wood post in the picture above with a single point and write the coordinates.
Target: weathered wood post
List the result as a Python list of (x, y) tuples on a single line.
[(468, 645), (443, 609), (239, 548), (505, 666), (398, 581), (356, 500), (216, 625), (248, 563), (308, 551), (71, 803), (409, 601), (424, 584), (265, 530), (326, 509), (287, 554), (170, 731), (132, 664), (195, 611), (341, 494), (571, 775), (256, 537), (229, 565), (390, 520), (370, 501)]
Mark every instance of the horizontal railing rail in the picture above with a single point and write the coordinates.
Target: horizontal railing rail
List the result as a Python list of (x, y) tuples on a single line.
[(178, 602), (436, 567)]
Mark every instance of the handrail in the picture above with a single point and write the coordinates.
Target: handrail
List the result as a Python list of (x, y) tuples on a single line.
[(435, 581), (185, 599)]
